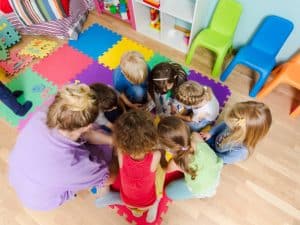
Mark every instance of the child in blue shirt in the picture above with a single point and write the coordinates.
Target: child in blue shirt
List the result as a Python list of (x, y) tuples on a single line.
[(244, 125), (131, 80)]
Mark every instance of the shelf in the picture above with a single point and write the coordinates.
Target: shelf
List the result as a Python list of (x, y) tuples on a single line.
[(143, 23), (183, 10), (146, 4), (170, 35)]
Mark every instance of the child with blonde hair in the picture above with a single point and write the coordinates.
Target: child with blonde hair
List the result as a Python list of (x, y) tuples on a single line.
[(245, 124), (164, 78), (191, 155), (135, 137), (199, 101), (51, 162), (131, 79)]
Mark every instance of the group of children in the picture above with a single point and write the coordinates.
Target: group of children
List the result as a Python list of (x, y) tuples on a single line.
[(183, 109)]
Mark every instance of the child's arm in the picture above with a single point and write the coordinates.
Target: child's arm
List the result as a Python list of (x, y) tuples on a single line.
[(97, 137), (128, 103), (172, 166), (155, 161), (215, 130)]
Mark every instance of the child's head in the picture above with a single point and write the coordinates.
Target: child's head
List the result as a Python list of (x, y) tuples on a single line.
[(75, 106), (166, 76), (134, 132), (134, 67), (191, 93), (107, 97), (249, 122), (175, 135)]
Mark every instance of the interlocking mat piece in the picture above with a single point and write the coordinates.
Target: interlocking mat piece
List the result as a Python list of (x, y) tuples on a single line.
[(95, 73), (221, 91), (26, 82), (125, 212), (3, 51), (15, 62), (8, 35), (157, 58), (112, 57), (39, 48), (95, 41), (62, 65)]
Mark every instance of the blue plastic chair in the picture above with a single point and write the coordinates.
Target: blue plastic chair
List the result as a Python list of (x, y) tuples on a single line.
[(260, 53)]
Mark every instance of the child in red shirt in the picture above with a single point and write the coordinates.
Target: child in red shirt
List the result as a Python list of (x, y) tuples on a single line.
[(135, 136)]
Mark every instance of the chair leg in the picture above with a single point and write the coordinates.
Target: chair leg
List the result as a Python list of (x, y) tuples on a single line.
[(191, 52), (228, 70), (218, 65), (258, 85), (296, 112), (270, 86)]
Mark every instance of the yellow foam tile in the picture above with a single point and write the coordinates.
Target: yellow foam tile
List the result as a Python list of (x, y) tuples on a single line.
[(3, 77), (111, 58)]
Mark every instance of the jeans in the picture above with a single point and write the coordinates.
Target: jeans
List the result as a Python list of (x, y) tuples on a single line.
[(197, 126), (136, 94), (178, 190)]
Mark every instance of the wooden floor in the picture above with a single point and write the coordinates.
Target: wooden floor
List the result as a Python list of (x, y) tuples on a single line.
[(264, 190)]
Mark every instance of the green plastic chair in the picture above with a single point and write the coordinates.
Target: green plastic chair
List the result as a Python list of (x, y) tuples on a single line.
[(218, 36)]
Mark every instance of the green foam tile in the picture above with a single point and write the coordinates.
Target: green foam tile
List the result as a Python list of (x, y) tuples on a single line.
[(35, 88), (157, 58)]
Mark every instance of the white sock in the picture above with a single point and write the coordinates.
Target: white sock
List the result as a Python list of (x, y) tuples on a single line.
[(152, 212)]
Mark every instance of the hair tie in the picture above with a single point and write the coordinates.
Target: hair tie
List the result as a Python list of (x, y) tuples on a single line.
[(164, 78), (184, 148)]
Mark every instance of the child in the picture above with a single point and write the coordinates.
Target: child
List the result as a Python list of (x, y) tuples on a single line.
[(191, 155), (110, 108), (135, 136), (130, 79), (198, 100), (164, 78), (244, 125)]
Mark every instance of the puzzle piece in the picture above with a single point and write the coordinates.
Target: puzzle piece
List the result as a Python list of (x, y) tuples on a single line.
[(38, 48), (157, 58), (3, 52), (8, 35), (26, 82), (3, 77), (16, 62), (112, 57)]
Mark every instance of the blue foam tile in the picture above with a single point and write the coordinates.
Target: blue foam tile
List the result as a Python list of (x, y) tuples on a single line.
[(95, 41)]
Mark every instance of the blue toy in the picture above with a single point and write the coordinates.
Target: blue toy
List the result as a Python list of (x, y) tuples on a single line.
[(260, 53)]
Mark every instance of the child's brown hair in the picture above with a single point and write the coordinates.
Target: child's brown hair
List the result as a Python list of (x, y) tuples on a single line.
[(192, 93), (166, 73), (175, 134), (249, 122), (107, 97), (134, 67), (134, 132), (75, 106)]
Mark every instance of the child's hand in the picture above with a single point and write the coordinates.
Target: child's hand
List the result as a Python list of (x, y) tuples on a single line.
[(136, 106), (205, 135)]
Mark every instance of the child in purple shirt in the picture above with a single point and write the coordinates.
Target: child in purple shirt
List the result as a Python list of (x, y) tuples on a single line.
[(50, 162)]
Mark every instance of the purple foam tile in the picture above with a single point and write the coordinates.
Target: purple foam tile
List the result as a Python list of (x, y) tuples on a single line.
[(95, 73), (222, 92)]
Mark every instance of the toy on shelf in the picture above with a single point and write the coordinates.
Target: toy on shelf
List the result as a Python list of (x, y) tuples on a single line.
[(185, 28), (114, 7), (10, 99), (155, 3), (154, 19)]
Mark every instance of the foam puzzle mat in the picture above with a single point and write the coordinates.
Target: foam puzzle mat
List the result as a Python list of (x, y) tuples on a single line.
[(90, 59)]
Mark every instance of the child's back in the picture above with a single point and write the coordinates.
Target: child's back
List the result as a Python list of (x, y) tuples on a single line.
[(137, 181)]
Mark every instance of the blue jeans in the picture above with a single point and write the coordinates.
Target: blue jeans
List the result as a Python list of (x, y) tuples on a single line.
[(197, 126), (178, 190), (136, 94)]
